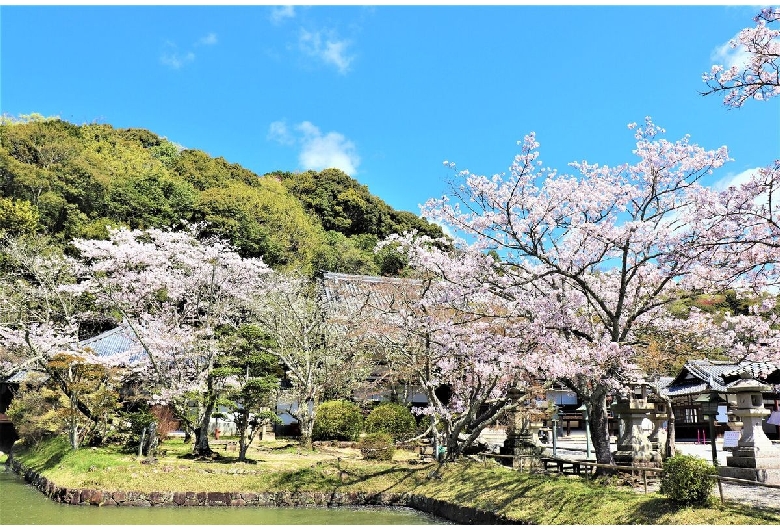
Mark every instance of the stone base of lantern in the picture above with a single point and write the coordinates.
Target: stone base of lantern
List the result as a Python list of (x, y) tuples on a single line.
[(755, 461), (766, 476), (629, 458), (760, 464), (520, 444), (638, 454)]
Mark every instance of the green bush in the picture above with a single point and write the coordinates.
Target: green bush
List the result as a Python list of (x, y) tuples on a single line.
[(38, 412), (337, 420), (685, 479), (377, 446), (393, 419)]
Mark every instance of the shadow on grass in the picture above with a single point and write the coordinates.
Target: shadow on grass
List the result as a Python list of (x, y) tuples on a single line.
[(331, 476), (54, 453), (651, 510), (50, 463)]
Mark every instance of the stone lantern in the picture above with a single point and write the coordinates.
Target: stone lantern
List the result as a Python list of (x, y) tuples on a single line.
[(634, 446), (754, 457), (659, 416), (519, 438)]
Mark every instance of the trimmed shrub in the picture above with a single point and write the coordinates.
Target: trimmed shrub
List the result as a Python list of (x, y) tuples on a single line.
[(377, 446), (337, 420), (393, 419), (38, 412), (685, 479)]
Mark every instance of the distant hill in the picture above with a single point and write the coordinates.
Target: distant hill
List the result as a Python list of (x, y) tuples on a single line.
[(70, 181)]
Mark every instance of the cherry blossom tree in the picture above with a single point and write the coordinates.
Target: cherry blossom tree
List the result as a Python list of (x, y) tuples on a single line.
[(323, 356), (754, 337), (449, 331), (605, 250), (758, 76), (175, 292), (743, 222), (39, 328), (746, 215)]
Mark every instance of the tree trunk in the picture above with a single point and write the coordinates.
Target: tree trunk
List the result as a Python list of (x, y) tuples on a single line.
[(74, 426), (202, 431), (307, 426), (599, 427), (242, 426), (671, 432), (305, 419)]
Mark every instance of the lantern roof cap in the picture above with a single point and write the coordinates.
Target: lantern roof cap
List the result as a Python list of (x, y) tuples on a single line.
[(747, 385)]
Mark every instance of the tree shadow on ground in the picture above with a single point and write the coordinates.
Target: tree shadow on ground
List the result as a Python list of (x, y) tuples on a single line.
[(653, 510)]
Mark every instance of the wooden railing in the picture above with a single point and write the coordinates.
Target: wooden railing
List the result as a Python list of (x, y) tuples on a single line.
[(721, 480), (578, 465)]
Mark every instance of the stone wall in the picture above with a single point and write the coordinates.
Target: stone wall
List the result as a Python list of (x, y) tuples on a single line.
[(84, 496)]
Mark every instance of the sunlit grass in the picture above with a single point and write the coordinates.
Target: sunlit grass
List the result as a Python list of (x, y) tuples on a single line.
[(278, 466)]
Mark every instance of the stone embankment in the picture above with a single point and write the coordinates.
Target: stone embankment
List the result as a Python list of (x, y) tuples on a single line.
[(85, 496)]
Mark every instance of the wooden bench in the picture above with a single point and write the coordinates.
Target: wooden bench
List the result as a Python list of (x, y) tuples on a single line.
[(562, 463), (516, 460), (225, 445)]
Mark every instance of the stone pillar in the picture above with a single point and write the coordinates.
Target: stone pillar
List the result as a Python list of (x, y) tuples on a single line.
[(754, 458), (658, 416)]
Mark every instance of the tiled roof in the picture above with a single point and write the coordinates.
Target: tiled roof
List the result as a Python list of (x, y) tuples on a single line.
[(685, 389), (702, 375), (108, 344), (20, 377), (355, 290), (763, 371), (114, 342)]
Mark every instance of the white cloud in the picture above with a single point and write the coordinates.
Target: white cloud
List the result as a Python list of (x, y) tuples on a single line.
[(328, 49), (735, 180), (208, 40), (278, 132), (740, 179), (173, 58), (447, 229), (317, 150), (279, 13), (329, 150), (728, 56)]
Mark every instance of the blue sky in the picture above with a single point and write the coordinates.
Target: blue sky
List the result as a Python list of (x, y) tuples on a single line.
[(386, 93)]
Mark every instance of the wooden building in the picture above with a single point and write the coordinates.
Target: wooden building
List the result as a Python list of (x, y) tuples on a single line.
[(703, 376)]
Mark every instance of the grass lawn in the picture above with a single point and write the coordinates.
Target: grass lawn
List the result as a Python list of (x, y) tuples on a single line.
[(279, 466)]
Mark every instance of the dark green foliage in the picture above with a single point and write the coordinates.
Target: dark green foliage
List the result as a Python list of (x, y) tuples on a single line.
[(73, 180), (344, 205), (377, 446), (350, 255), (337, 420), (685, 479), (134, 425), (393, 419), (255, 374)]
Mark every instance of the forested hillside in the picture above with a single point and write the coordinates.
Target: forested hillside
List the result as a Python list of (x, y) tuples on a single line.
[(71, 181)]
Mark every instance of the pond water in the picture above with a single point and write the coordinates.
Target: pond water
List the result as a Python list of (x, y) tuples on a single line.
[(20, 504)]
